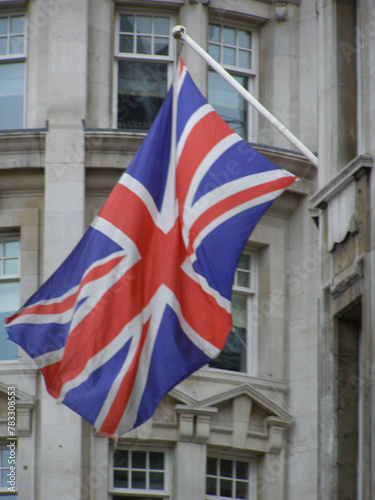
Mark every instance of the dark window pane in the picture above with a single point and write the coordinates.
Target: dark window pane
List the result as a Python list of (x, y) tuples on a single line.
[(120, 478), (161, 26), (127, 24), (156, 461), (139, 479), (233, 356), (127, 43), (144, 45), (244, 262), (120, 458), (211, 486), (243, 279), (242, 470), (142, 87), (242, 489), (139, 460), (226, 488), (144, 24), (211, 466), (156, 480), (226, 468), (161, 46)]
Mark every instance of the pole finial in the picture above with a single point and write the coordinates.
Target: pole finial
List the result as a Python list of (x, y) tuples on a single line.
[(179, 31)]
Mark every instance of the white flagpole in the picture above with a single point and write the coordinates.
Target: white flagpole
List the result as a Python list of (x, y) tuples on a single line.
[(179, 32)]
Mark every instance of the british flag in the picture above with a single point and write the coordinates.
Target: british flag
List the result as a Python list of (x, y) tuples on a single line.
[(143, 301)]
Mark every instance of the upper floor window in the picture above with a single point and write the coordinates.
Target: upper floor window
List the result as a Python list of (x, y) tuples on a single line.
[(240, 351), (234, 49), (7, 472), (143, 64), (140, 474), (9, 290), (234, 479), (12, 71)]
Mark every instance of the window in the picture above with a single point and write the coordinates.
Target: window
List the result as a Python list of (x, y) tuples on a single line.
[(240, 351), (140, 474), (233, 48), (7, 472), (12, 71), (9, 290), (144, 59), (235, 479)]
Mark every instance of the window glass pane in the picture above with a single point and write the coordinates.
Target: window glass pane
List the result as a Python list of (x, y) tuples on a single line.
[(211, 486), (139, 460), (17, 24), (9, 304), (3, 25), (233, 356), (156, 461), (120, 458), (127, 43), (144, 24), (244, 261), (161, 26), (227, 101), (11, 95), (211, 466), (142, 87), (239, 310), (127, 24), (144, 44), (229, 36), (11, 266), (226, 488), (214, 51), (229, 56), (242, 489), (243, 279), (244, 39), (4, 479), (161, 46), (16, 45), (242, 471), (226, 468), (121, 479), (214, 33), (139, 479), (11, 248), (156, 480), (3, 46), (244, 59)]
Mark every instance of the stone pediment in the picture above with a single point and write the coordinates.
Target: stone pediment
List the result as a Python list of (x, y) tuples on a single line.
[(241, 417)]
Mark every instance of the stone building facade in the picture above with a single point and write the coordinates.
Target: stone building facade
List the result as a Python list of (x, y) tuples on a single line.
[(80, 82)]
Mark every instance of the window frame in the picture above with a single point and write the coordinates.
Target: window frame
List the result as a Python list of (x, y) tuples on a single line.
[(147, 493), (11, 278), (250, 73), (21, 58), (169, 60), (238, 457)]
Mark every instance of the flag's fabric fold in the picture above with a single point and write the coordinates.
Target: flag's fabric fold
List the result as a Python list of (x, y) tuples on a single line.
[(143, 300)]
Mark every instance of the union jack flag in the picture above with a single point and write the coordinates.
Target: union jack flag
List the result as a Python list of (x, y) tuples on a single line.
[(143, 301)]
